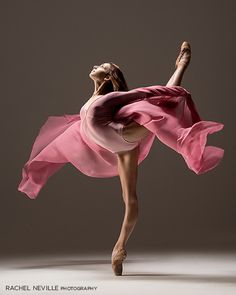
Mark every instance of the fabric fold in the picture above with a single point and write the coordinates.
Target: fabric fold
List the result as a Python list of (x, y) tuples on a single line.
[(167, 111)]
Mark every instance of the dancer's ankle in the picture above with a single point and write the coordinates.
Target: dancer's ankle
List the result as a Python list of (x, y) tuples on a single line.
[(118, 246)]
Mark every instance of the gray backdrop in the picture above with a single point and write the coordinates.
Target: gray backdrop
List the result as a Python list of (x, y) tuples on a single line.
[(49, 48)]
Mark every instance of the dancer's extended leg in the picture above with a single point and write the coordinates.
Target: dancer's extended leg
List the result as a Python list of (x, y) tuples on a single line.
[(182, 63), (133, 131), (176, 78)]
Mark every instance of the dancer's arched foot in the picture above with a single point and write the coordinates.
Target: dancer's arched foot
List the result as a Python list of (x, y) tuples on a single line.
[(118, 256), (184, 57)]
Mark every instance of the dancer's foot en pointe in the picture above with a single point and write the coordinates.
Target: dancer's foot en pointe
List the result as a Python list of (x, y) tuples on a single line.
[(117, 258), (184, 57), (181, 65)]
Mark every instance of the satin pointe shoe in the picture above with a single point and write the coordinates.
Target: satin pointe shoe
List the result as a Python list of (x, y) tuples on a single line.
[(117, 258), (184, 59)]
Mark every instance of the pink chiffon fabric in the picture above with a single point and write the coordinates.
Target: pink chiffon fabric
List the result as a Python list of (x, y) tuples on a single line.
[(168, 112)]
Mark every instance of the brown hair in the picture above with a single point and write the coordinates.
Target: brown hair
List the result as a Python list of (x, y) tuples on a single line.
[(117, 82)]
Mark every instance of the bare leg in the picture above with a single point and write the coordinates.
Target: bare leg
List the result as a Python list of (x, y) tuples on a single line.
[(176, 78), (133, 131), (182, 63), (127, 168)]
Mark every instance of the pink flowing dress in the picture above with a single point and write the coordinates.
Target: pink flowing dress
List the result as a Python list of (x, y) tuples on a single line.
[(90, 139)]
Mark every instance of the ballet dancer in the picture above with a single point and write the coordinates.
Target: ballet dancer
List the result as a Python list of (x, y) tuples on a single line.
[(113, 134)]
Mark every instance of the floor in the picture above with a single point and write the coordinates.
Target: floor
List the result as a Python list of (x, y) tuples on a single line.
[(151, 273)]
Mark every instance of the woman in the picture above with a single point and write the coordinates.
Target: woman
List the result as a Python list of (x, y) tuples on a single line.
[(114, 132)]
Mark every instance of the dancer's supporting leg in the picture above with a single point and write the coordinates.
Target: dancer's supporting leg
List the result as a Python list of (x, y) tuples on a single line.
[(128, 170)]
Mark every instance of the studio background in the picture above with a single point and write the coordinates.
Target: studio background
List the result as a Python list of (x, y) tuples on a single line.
[(49, 48)]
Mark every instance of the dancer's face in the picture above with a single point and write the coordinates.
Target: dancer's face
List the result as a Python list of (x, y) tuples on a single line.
[(100, 73)]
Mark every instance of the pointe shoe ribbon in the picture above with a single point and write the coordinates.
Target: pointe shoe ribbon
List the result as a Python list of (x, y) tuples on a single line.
[(185, 47), (118, 257)]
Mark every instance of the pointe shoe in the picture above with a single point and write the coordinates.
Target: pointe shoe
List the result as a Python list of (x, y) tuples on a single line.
[(118, 256), (184, 59)]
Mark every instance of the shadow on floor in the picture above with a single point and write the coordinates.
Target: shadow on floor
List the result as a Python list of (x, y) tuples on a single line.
[(93, 265)]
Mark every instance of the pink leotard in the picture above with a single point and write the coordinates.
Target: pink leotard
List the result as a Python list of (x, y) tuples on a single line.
[(108, 134)]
